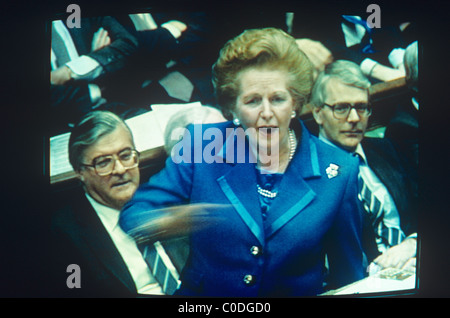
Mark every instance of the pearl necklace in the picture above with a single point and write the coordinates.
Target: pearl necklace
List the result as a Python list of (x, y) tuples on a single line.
[(292, 148), (292, 144)]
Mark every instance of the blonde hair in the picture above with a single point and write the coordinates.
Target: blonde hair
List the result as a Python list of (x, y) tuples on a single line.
[(267, 48)]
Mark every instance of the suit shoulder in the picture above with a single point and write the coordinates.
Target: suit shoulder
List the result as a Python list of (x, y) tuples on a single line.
[(332, 151), (380, 146), (63, 219), (71, 213)]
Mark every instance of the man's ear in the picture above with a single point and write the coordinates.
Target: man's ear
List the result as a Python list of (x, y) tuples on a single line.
[(79, 176), (316, 111)]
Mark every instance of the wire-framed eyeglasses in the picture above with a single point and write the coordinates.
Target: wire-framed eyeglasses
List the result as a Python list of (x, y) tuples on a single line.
[(105, 165), (341, 110)]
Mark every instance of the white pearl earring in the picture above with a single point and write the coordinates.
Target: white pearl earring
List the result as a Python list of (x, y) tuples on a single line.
[(293, 114), (236, 121)]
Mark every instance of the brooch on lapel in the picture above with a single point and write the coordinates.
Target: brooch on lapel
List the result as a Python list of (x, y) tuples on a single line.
[(332, 170)]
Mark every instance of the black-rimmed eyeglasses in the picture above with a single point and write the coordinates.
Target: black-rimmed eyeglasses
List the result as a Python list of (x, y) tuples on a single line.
[(105, 165), (341, 110)]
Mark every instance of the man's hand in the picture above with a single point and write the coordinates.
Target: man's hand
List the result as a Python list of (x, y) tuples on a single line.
[(100, 40), (61, 75), (400, 256)]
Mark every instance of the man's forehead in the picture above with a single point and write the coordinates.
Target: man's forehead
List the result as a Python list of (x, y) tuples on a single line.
[(110, 143), (337, 91)]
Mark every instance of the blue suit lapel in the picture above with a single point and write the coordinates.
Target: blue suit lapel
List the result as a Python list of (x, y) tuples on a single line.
[(294, 193), (239, 186), (238, 183)]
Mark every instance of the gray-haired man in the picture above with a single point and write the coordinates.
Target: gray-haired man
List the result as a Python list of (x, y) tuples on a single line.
[(342, 109), (103, 155)]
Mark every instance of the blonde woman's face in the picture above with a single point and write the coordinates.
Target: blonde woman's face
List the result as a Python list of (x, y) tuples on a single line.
[(265, 102)]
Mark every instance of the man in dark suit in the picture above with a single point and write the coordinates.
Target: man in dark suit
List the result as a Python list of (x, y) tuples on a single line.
[(86, 233), (175, 55), (87, 65), (341, 109), (345, 31)]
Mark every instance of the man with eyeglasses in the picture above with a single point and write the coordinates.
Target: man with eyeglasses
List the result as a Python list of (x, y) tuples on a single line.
[(341, 108), (103, 155)]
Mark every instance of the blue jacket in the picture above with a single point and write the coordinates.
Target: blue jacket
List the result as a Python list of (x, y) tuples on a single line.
[(244, 256)]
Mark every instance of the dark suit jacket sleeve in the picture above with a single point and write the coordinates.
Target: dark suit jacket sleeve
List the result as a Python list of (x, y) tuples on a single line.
[(194, 47), (70, 96), (390, 167), (197, 45), (123, 45), (67, 104)]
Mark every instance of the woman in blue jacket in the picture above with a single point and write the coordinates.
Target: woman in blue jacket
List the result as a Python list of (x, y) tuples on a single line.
[(284, 200)]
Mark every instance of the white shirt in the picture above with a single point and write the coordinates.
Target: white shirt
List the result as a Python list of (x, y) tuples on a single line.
[(353, 35), (145, 22), (82, 67), (142, 276)]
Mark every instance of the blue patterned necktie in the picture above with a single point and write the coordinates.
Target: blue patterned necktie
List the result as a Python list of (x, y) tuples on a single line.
[(162, 267), (387, 235)]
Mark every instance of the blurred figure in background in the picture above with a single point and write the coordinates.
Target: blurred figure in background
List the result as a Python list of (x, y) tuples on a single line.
[(87, 65), (194, 115), (174, 59)]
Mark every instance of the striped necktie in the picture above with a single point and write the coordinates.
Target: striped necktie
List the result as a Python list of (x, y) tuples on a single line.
[(387, 236), (162, 267)]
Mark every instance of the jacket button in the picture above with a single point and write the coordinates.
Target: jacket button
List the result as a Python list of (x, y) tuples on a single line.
[(255, 250), (248, 279)]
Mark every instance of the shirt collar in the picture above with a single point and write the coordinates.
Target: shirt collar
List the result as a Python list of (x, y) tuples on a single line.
[(359, 150), (325, 140), (108, 216)]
